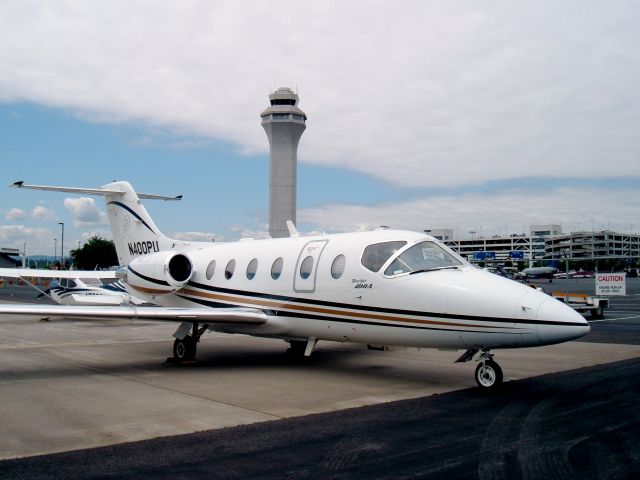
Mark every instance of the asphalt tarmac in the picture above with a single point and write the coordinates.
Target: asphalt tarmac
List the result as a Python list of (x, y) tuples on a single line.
[(581, 423), (576, 424)]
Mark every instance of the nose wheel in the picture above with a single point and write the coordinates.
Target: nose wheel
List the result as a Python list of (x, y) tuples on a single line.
[(488, 372)]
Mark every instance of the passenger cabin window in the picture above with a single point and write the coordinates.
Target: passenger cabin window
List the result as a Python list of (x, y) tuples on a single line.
[(276, 268), (337, 267), (422, 256), (306, 267), (228, 271), (252, 268), (63, 282), (210, 269), (374, 256)]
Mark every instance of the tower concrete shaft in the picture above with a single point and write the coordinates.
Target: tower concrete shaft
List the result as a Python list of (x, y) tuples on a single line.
[(284, 123)]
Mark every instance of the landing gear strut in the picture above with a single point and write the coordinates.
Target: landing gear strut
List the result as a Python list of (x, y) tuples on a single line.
[(301, 348), (488, 372), (184, 349)]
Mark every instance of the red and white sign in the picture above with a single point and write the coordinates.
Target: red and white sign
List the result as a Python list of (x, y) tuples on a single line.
[(611, 283)]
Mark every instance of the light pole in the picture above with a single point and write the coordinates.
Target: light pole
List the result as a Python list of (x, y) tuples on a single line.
[(55, 249), (62, 245)]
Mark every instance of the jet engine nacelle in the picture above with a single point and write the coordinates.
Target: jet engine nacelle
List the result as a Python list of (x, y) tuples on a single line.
[(159, 273)]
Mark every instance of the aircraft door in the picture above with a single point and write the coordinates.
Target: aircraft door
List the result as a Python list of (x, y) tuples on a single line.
[(304, 279)]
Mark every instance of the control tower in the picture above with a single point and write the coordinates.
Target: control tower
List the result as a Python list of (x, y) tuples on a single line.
[(284, 123)]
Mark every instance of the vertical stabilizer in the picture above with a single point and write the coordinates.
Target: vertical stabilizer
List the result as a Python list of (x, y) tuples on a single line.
[(134, 232)]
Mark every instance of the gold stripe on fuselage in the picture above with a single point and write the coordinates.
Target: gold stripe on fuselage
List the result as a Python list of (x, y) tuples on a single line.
[(289, 307)]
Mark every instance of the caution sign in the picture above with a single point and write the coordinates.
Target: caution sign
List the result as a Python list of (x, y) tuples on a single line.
[(611, 284)]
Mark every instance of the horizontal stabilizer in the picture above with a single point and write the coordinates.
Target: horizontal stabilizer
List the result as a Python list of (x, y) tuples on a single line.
[(238, 316), (90, 191)]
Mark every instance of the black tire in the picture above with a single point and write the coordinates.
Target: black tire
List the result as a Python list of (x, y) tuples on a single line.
[(185, 349), (296, 348), (597, 312), (489, 376)]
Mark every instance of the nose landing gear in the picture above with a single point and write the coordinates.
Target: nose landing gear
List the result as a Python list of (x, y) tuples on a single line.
[(488, 373)]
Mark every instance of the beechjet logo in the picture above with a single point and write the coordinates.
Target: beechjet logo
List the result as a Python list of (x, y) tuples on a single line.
[(142, 248)]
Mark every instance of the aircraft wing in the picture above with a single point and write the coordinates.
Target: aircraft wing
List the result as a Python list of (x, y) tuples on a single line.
[(42, 273), (241, 316)]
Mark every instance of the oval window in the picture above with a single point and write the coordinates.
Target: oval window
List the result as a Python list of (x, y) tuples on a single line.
[(337, 267), (252, 268), (228, 271), (210, 269), (276, 268), (306, 267)]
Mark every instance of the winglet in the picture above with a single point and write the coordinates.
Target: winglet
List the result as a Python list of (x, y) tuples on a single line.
[(293, 232)]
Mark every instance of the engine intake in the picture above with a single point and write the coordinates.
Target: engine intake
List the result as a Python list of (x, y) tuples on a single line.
[(159, 273)]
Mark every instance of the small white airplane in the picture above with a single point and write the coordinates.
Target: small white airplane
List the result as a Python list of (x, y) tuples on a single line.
[(76, 287), (384, 287)]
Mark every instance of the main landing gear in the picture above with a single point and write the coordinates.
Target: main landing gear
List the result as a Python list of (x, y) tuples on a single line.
[(184, 349), (301, 348), (488, 373)]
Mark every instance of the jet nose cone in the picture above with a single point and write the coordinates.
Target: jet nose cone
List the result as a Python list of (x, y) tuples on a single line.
[(560, 323)]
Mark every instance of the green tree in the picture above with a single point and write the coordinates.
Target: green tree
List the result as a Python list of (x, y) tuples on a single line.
[(95, 253)]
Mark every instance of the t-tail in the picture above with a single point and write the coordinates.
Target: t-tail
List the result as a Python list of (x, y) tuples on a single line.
[(134, 232)]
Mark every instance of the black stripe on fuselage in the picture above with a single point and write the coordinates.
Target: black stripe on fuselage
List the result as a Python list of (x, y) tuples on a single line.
[(120, 204), (325, 318), (367, 308), (148, 279)]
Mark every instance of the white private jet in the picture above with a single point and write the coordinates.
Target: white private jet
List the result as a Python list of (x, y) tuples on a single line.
[(384, 287), (75, 287)]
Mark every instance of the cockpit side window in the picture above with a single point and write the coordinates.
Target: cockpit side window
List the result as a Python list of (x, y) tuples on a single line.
[(375, 255), (422, 256), (71, 284)]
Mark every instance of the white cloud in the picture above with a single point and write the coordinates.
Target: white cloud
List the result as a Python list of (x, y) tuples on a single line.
[(443, 93), (196, 236), (85, 212), (43, 213), (38, 240), (490, 213), (15, 214)]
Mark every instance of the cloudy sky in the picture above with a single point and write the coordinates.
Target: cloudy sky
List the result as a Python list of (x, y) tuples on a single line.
[(477, 116)]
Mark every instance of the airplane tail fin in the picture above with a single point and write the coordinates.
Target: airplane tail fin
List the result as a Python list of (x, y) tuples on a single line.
[(134, 232)]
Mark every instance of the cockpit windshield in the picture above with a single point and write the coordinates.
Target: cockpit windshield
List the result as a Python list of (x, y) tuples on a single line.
[(421, 257), (374, 256)]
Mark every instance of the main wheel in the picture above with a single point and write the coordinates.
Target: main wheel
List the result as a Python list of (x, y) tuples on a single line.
[(598, 312), (488, 374), (185, 349), (296, 348)]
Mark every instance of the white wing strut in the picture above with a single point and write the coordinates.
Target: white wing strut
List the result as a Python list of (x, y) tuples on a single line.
[(238, 316)]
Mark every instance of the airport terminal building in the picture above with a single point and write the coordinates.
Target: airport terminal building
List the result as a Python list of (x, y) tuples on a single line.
[(545, 242)]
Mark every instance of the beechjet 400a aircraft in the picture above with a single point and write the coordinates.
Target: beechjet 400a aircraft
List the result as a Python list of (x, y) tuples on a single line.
[(384, 287)]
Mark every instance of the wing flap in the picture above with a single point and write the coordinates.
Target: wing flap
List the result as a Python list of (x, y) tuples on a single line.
[(238, 316)]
